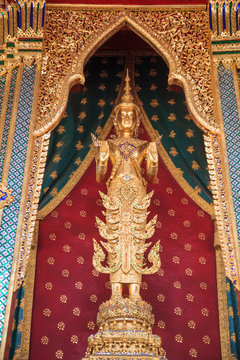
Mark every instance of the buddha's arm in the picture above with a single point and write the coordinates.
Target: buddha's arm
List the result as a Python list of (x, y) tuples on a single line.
[(151, 161), (102, 161)]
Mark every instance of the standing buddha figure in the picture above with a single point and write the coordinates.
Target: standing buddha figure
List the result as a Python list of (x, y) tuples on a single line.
[(126, 228), (125, 323)]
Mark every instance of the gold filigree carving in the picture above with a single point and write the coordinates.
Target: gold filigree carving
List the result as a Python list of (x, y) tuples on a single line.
[(72, 36), (34, 187), (189, 59)]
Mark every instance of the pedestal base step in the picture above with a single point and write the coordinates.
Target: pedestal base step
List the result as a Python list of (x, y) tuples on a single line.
[(124, 357)]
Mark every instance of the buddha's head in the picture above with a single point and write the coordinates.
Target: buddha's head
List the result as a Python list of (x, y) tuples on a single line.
[(126, 114)]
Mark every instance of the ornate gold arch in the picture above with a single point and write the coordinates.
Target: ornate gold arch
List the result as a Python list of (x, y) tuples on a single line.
[(181, 37), (72, 36)]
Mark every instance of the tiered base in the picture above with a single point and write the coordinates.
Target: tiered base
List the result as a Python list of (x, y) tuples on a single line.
[(125, 332)]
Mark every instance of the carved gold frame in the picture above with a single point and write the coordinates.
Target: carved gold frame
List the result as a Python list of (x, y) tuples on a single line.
[(152, 25), (189, 65), (57, 78), (167, 41), (23, 352)]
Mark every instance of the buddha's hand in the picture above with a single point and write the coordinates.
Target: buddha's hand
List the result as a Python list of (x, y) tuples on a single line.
[(152, 153), (103, 152)]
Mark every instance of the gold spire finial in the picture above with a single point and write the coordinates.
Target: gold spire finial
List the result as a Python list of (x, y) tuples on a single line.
[(127, 97)]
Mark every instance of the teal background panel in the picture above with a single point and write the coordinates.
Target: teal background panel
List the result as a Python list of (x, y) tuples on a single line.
[(232, 134), (16, 337), (87, 112), (15, 182), (233, 320), (168, 113)]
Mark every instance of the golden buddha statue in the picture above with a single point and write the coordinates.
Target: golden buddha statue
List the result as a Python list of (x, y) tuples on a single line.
[(126, 201), (125, 323)]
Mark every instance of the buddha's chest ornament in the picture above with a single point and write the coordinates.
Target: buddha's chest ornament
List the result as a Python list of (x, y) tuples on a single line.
[(126, 150)]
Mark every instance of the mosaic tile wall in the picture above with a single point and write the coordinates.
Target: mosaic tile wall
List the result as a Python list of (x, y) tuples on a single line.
[(7, 119), (232, 133), (15, 181), (2, 85)]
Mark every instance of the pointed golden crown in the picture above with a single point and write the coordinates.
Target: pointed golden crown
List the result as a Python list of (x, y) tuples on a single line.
[(127, 98)]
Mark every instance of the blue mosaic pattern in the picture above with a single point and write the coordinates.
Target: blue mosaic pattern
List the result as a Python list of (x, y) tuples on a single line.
[(2, 86), (15, 181), (7, 120), (232, 133)]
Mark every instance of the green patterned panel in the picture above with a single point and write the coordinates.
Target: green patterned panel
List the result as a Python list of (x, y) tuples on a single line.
[(87, 112), (18, 317), (15, 181), (233, 320), (168, 113)]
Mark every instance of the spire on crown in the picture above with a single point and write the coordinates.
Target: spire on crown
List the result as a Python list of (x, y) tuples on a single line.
[(127, 98)]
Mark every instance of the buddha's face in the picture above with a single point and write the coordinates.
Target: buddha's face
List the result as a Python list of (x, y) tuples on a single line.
[(127, 118)]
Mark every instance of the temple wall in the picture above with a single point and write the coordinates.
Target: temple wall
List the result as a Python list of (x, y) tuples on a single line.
[(24, 135)]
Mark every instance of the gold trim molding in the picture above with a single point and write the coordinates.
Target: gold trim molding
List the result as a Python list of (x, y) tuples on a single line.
[(225, 219), (228, 61), (216, 152), (39, 158), (132, 7), (73, 36), (222, 305)]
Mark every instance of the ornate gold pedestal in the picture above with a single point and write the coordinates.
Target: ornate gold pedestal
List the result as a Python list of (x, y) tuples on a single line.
[(125, 332)]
